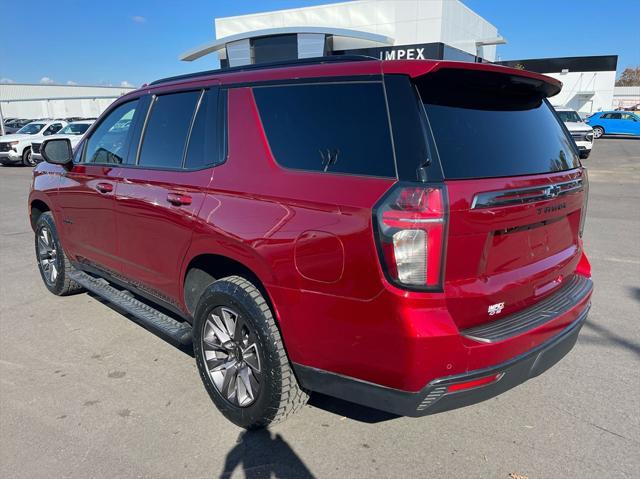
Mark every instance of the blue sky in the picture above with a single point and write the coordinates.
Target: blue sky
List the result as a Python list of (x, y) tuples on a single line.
[(136, 41)]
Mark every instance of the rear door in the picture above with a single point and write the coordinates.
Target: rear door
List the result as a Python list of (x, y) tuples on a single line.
[(86, 193), (515, 186), (159, 195)]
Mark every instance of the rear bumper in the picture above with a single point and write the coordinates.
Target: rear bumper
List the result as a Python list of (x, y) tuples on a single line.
[(435, 396)]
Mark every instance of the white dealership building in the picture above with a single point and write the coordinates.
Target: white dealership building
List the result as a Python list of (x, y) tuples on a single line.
[(396, 29), (20, 100)]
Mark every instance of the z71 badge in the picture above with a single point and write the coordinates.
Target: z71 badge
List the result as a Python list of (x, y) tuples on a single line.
[(495, 309)]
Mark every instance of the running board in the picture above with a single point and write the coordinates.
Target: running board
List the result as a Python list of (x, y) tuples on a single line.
[(149, 317)]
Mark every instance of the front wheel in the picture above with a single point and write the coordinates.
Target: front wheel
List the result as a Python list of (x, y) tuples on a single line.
[(598, 131), (52, 262), (27, 158), (241, 357)]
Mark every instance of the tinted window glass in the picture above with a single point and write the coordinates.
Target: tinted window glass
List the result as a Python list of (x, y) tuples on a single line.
[(275, 48), (491, 125), (167, 128), (109, 142), (337, 128), (203, 147)]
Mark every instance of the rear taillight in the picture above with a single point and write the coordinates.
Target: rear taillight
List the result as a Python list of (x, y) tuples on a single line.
[(411, 225), (583, 212)]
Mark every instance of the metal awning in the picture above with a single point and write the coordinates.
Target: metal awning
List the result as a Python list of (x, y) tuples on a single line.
[(221, 43)]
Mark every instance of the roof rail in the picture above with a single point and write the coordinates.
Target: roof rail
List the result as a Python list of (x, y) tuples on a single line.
[(264, 66)]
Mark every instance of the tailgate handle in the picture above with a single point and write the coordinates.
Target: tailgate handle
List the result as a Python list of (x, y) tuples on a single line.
[(104, 187), (179, 199)]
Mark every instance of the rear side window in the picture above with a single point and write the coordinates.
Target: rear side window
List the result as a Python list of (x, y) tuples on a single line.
[(492, 125), (206, 142), (167, 128), (333, 128)]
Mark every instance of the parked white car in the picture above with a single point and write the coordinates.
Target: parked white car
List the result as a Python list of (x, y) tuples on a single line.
[(581, 133), (16, 148), (73, 132)]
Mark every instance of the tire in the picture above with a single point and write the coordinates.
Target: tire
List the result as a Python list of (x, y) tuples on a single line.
[(598, 131), (53, 264), (27, 157), (584, 154), (265, 390)]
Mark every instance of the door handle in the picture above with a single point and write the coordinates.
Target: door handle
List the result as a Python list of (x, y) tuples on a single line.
[(179, 199), (104, 187)]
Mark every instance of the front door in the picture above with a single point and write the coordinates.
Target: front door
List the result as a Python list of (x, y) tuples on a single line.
[(87, 191)]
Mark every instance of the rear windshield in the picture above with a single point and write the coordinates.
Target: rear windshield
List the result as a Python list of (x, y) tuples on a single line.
[(492, 125)]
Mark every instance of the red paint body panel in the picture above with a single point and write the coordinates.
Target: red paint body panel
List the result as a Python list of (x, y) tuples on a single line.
[(308, 237)]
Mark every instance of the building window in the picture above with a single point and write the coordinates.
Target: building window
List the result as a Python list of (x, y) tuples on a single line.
[(275, 48)]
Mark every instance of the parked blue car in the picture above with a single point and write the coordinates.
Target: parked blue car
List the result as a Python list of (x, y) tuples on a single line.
[(614, 123)]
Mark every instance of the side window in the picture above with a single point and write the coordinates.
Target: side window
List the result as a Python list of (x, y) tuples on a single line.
[(615, 116), (163, 144), (606, 116), (52, 129), (335, 128), (206, 142), (627, 116), (109, 141)]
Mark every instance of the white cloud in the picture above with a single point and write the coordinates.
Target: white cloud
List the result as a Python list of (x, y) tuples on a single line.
[(6, 80), (126, 84), (46, 81), (71, 82), (139, 19)]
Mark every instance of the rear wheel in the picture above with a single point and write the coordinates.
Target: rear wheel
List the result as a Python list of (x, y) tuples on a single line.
[(27, 158), (598, 131), (241, 357), (53, 264), (584, 154)]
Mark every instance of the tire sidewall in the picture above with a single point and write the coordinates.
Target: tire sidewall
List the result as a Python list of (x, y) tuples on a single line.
[(600, 129), (46, 220), (27, 157), (264, 408)]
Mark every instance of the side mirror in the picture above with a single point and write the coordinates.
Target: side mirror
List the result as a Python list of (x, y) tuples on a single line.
[(57, 151)]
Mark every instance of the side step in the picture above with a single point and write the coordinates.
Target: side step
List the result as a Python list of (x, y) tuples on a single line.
[(149, 317)]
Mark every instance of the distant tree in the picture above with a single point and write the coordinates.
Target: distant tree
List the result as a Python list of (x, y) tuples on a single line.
[(629, 77)]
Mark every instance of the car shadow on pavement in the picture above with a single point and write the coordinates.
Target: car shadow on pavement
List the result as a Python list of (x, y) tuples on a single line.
[(350, 410), (605, 336), (262, 454)]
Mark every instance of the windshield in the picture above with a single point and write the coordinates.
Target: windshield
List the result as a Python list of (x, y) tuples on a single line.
[(31, 129), (569, 116), (74, 129)]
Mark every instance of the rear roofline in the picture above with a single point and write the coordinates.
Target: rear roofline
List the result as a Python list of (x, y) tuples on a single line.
[(324, 68)]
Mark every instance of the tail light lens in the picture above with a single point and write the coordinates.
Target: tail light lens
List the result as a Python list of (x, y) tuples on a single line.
[(411, 223), (583, 212)]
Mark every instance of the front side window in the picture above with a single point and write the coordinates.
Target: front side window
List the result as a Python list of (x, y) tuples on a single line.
[(165, 137), (52, 129), (332, 128), (109, 142)]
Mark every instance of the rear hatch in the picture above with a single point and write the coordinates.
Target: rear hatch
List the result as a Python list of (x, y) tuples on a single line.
[(516, 190)]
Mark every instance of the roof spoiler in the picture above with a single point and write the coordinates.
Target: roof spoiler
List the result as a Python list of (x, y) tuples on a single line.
[(534, 82)]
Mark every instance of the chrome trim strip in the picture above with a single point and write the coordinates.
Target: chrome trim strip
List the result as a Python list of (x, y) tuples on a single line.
[(513, 197)]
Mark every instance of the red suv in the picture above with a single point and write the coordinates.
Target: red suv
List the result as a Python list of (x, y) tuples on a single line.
[(404, 235)]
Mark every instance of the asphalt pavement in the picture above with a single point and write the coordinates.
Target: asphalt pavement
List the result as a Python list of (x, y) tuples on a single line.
[(85, 392)]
